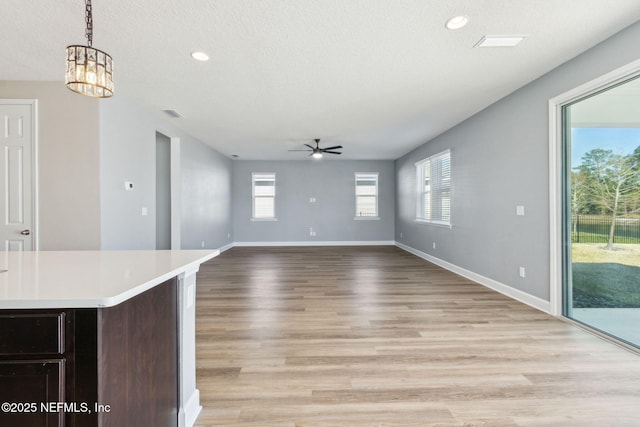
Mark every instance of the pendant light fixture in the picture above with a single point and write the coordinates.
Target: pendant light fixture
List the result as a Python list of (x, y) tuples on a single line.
[(89, 70)]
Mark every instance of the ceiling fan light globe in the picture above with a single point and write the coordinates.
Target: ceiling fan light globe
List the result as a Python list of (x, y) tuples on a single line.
[(317, 155)]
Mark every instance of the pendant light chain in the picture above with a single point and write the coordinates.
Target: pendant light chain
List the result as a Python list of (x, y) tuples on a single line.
[(89, 20)]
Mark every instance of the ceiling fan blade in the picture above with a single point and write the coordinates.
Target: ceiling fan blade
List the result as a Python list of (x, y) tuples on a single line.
[(330, 152), (332, 148), (297, 150), (313, 148)]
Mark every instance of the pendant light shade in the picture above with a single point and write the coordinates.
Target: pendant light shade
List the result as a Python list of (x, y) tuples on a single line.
[(89, 70)]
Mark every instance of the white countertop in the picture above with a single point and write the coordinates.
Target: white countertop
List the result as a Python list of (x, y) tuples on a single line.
[(88, 279)]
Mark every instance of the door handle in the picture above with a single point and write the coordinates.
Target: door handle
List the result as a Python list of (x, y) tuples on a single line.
[(25, 232)]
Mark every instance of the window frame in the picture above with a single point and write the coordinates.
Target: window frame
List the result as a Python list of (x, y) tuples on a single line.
[(372, 176), (254, 176), (436, 188)]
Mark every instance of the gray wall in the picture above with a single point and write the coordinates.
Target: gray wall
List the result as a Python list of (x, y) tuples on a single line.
[(127, 153), (500, 160), (332, 183), (68, 164), (206, 197)]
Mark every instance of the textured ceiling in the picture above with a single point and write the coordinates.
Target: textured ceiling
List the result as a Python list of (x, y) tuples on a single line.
[(379, 77)]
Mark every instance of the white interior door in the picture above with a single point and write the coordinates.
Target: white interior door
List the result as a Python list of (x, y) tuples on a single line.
[(16, 175)]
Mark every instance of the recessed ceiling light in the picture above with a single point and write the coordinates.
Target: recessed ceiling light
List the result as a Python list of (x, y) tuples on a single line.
[(457, 22), (199, 55), (499, 41)]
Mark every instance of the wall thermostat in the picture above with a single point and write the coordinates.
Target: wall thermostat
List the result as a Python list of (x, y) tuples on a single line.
[(128, 186)]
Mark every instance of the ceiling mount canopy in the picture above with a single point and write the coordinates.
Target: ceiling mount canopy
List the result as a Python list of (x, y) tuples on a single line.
[(89, 70)]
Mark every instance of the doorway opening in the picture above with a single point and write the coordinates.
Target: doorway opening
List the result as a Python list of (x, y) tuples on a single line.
[(163, 191)]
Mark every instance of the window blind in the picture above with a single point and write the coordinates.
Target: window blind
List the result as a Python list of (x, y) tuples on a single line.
[(434, 189), (366, 194), (264, 195)]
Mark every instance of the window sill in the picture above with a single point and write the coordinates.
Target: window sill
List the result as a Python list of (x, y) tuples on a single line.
[(264, 219), (367, 218), (435, 224)]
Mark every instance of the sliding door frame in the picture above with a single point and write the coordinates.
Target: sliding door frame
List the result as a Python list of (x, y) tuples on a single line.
[(556, 168)]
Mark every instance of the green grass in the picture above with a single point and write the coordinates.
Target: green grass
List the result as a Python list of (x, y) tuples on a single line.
[(603, 278), (621, 254)]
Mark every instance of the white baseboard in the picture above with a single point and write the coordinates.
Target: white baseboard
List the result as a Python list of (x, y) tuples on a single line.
[(188, 414), (513, 293), (226, 247), (320, 243)]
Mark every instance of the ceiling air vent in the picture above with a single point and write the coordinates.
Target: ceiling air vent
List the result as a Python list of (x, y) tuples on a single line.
[(173, 114)]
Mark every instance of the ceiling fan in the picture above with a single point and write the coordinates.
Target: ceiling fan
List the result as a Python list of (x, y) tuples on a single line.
[(316, 152)]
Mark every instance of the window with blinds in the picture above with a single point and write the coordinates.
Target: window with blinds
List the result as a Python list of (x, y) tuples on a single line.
[(366, 195), (264, 195), (434, 189)]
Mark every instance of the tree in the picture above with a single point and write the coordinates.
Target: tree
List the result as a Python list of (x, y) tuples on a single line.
[(634, 207), (579, 195), (612, 180), (579, 192)]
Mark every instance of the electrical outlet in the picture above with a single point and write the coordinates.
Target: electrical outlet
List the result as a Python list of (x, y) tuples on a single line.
[(434, 245), (145, 211), (521, 272), (228, 235), (401, 234), (202, 244), (520, 210)]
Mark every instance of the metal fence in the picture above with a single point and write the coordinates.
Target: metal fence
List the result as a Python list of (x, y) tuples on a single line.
[(595, 229)]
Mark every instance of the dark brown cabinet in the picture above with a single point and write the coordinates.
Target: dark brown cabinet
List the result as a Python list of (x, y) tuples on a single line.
[(26, 383), (112, 366), (35, 355)]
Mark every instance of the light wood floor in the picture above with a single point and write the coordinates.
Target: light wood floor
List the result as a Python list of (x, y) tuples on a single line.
[(374, 336)]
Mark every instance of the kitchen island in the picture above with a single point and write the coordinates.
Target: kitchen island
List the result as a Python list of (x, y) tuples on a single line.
[(98, 338)]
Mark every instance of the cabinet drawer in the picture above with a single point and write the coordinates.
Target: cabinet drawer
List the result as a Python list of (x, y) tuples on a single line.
[(32, 333)]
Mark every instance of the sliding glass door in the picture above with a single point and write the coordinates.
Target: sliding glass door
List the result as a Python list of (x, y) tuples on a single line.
[(601, 212)]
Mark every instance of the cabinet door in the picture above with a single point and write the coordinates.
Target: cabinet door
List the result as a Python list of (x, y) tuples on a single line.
[(28, 382)]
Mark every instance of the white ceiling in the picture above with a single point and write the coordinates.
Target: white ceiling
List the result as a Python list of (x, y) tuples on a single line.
[(617, 107), (379, 77)]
